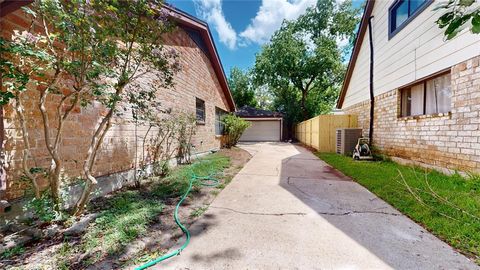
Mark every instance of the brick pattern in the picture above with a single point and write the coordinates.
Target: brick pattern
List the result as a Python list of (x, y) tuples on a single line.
[(196, 78), (444, 140)]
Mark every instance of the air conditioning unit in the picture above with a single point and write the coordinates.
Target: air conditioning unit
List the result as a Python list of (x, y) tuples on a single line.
[(347, 138)]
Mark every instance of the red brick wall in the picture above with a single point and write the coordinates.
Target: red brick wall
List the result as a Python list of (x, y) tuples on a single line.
[(195, 79), (446, 140)]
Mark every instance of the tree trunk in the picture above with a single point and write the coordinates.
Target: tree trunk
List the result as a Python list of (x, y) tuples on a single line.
[(304, 109), (90, 160), (3, 176), (26, 150), (95, 144), (56, 162)]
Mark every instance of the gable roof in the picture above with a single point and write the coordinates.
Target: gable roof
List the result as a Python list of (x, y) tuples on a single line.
[(184, 20), (188, 21), (247, 111), (7, 6), (367, 12)]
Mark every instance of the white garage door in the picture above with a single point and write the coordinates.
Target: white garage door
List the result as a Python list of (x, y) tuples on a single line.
[(262, 130)]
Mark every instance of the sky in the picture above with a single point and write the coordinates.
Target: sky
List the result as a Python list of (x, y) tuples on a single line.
[(241, 27)]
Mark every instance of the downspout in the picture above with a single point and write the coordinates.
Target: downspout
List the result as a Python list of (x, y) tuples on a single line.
[(372, 97)]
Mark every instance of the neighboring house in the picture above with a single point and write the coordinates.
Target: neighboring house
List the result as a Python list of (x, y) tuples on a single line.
[(265, 125), (200, 89), (427, 89)]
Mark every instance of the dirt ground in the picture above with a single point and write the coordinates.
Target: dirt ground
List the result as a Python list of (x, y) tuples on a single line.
[(160, 237)]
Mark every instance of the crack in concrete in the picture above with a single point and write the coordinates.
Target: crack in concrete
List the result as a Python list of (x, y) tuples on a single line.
[(309, 196), (357, 212), (290, 159), (256, 174), (346, 213), (260, 214)]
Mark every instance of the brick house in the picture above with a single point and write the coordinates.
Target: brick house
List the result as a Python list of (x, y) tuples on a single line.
[(200, 89), (426, 89)]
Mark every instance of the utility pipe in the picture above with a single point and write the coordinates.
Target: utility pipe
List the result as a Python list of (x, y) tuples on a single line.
[(372, 97)]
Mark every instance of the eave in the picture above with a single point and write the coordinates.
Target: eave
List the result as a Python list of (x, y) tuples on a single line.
[(186, 20), (182, 19), (356, 49)]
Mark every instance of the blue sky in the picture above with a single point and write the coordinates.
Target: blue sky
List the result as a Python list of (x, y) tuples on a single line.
[(241, 27)]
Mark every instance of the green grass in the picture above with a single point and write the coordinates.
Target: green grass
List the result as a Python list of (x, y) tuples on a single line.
[(177, 182), (436, 203), (9, 253), (199, 211), (127, 215)]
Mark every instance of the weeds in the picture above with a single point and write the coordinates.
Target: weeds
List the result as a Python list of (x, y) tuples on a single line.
[(177, 182), (198, 211), (10, 253)]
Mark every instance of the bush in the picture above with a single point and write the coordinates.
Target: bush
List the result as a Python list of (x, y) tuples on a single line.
[(234, 128)]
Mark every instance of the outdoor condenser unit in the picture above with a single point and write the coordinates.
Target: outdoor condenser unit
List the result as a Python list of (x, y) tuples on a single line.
[(347, 138)]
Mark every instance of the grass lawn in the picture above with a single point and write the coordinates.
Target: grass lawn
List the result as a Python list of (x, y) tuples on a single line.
[(127, 215), (176, 183), (448, 206)]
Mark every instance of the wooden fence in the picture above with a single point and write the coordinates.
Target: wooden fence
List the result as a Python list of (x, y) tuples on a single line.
[(319, 132)]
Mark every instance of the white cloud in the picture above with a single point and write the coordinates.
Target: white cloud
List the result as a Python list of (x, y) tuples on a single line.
[(270, 17), (211, 11)]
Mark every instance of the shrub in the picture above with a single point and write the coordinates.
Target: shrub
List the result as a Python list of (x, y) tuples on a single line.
[(234, 128)]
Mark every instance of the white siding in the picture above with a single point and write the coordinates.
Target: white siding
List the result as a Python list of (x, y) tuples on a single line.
[(418, 50)]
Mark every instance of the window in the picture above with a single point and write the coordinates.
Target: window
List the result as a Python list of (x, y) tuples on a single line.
[(200, 111), (219, 125), (403, 11), (430, 96)]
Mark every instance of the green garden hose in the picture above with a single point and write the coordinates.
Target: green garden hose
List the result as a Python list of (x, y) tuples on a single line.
[(208, 181)]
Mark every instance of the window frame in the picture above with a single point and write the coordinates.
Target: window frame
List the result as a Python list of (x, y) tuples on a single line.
[(424, 82), (218, 122), (392, 32), (204, 116)]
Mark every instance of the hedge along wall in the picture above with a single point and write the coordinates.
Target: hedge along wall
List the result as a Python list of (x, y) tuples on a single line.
[(195, 79)]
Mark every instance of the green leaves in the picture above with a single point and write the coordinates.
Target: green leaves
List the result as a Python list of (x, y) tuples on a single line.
[(234, 128), (457, 14), (5, 97), (445, 19), (241, 86), (476, 24), (304, 57), (454, 27)]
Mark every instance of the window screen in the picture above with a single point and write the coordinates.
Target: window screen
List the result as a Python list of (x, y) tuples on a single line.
[(200, 111), (219, 125)]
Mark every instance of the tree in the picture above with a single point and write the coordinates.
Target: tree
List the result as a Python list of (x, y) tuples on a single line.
[(16, 74), (137, 29), (59, 46), (304, 55), (81, 42), (234, 128), (456, 15), (240, 84), (75, 53)]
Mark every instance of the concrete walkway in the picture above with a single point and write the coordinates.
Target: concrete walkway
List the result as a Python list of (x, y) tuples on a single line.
[(287, 209)]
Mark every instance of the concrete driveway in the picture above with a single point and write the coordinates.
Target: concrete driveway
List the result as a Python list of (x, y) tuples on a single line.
[(287, 209)]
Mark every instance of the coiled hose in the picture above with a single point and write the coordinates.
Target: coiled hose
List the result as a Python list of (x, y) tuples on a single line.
[(208, 181)]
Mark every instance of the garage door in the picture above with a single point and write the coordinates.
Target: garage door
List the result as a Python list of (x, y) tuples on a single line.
[(264, 130)]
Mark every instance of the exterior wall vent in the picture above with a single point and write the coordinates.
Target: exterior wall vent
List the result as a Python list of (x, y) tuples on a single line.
[(347, 138)]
